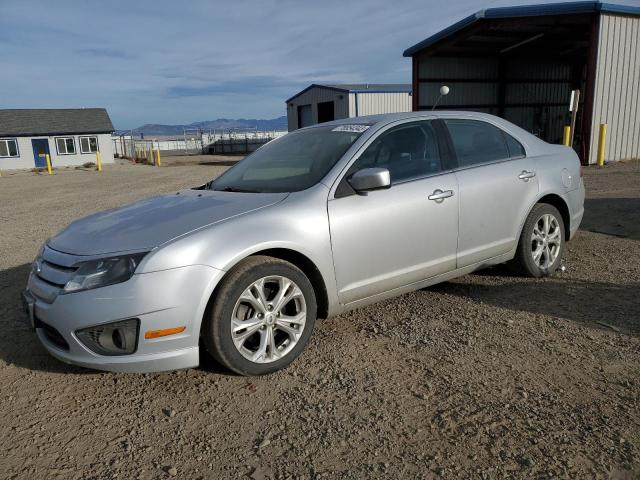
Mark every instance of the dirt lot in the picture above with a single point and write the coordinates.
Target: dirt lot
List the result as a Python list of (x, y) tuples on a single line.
[(487, 376)]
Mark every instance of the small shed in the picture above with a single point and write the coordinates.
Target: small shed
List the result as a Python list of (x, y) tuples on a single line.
[(70, 136), (323, 103), (522, 63)]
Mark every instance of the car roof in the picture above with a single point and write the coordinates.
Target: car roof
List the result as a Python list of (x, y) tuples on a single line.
[(385, 118), (379, 121)]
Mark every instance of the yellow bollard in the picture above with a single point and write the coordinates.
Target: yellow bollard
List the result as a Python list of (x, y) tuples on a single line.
[(566, 139), (98, 162), (158, 164), (49, 164), (602, 139)]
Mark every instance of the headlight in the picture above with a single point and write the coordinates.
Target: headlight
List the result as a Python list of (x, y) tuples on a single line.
[(117, 338), (103, 272)]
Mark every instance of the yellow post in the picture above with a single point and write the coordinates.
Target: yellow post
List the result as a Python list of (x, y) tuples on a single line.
[(49, 164), (602, 139), (566, 139), (98, 161), (158, 164)]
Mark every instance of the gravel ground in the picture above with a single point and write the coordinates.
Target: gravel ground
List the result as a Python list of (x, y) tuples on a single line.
[(487, 376)]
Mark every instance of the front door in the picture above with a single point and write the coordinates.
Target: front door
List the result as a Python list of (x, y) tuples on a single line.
[(40, 152), (395, 237)]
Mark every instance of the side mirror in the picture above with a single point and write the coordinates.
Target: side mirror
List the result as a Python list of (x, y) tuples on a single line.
[(369, 179)]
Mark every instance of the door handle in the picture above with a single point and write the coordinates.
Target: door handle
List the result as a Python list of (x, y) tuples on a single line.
[(439, 195), (525, 175)]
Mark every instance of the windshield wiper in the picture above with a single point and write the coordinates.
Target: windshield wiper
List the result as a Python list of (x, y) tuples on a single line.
[(236, 189)]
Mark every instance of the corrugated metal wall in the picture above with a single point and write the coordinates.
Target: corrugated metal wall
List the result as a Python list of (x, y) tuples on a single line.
[(374, 103), (313, 97), (536, 92), (542, 88), (435, 71), (617, 88)]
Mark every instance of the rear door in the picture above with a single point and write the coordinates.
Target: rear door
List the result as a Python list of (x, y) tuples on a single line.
[(391, 238), (497, 184)]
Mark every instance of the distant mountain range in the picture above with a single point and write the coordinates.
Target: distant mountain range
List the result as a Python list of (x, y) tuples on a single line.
[(239, 124)]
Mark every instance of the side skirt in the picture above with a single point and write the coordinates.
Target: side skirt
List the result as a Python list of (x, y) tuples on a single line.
[(505, 257)]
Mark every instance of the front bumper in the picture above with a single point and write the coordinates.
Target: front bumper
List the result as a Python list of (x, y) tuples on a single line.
[(164, 299)]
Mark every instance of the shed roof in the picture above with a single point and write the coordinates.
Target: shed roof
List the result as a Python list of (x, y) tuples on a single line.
[(54, 121), (359, 88), (549, 9)]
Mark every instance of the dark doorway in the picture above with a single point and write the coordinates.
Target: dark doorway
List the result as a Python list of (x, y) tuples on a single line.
[(326, 112), (304, 116), (40, 151)]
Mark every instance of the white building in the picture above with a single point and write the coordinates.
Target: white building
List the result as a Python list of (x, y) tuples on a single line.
[(69, 136), (323, 103)]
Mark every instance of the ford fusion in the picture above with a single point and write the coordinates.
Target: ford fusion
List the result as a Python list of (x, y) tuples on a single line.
[(325, 219)]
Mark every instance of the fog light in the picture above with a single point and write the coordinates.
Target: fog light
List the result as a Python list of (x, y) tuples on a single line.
[(117, 338)]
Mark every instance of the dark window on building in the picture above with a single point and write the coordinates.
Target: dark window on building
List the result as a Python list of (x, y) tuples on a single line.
[(304, 116), (326, 112), (408, 151), (8, 147), (477, 142), (65, 145), (88, 144)]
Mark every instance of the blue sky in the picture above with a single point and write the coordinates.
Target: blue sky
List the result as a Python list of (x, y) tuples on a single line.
[(184, 61)]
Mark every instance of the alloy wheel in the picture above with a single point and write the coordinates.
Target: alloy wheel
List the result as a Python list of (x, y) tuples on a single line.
[(268, 319), (546, 240)]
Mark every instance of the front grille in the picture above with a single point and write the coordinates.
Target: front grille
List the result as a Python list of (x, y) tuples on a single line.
[(52, 335), (54, 274), (51, 273)]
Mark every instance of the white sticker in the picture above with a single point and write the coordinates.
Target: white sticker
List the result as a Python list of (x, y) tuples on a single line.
[(351, 128)]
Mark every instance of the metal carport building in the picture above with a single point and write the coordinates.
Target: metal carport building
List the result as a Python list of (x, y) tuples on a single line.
[(522, 63)]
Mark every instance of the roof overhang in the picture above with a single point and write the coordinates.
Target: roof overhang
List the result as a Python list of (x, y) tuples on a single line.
[(316, 85), (525, 11)]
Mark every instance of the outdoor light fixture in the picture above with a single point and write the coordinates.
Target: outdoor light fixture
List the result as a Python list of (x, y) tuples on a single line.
[(444, 90)]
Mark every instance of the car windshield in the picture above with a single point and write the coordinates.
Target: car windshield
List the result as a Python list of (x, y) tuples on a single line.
[(292, 163)]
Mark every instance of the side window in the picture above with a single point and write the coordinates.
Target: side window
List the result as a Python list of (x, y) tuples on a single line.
[(408, 151), (8, 147), (65, 145), (516, 150), (477, 142), (88, 144)]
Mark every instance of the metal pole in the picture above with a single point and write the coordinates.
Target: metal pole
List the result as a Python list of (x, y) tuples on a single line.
[(574, 113), (602, 139)]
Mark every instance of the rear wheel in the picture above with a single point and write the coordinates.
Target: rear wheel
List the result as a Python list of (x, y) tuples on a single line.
[(541, 242), (262, 316)]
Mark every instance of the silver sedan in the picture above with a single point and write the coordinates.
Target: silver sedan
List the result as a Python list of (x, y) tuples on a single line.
[(323, 220)]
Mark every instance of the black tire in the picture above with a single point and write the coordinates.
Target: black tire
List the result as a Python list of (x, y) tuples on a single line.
[(216, 329), (524, 262)]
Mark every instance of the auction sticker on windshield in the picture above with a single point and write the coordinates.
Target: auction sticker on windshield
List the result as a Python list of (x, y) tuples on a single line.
[(351, 128)]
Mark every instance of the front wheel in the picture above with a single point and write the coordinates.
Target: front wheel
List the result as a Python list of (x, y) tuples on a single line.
[(262, 316), (541, 242)]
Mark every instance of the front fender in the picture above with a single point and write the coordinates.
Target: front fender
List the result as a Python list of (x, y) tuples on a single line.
[(299, 224)]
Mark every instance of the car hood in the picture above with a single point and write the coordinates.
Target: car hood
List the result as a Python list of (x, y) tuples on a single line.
[(151, 222)]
